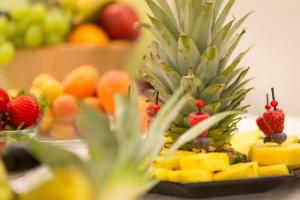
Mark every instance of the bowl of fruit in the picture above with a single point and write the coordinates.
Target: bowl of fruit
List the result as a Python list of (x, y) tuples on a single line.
[(52, 38), (20, 115), (82, 84)]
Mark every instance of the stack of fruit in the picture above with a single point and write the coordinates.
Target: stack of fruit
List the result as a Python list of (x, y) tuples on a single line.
[(39, 24), (189, 167), (83, 83)]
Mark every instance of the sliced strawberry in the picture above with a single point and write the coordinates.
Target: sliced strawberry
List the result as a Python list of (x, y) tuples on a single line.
[(275, 120), (264, 127)]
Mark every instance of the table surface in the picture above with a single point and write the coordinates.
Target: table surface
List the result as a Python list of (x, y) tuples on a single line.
[(286, 191)]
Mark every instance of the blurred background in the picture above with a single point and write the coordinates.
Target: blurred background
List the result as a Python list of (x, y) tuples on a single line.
[(274, 60)]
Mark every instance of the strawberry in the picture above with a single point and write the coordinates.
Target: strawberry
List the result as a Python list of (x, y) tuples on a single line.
[(197, 117), (264, 127), (275, 120), (2, 146), (4, 100), (25, 111)]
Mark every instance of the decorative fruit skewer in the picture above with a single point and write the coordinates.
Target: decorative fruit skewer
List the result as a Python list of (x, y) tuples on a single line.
[(201, 142), (153, 108), (272, 122)]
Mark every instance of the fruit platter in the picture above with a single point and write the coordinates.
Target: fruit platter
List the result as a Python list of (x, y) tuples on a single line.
[(172, 129)]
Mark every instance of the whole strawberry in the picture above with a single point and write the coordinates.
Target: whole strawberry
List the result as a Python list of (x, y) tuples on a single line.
[(24, 111), (197, 117), (4, 100), (264, 127), (275, 120)]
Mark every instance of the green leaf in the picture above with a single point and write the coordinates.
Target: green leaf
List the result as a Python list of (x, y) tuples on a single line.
[(208, 66), (223, 16), (160, 53), (212, 93), (94, 128), (201, 34), (217, 8), (127, 112), (192, 133), (188, 54), (154, 139), (231, 49), (164, 18), (219, 40)]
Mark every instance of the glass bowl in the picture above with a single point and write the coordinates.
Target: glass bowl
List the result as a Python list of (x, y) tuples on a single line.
[(7, 137)]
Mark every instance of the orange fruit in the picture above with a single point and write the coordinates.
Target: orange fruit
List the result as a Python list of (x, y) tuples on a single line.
[(88, 34), (94, 102), (114, 82), (65, 106), (82, 81)]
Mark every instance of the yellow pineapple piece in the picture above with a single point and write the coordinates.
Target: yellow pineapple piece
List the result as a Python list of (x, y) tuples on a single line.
[(238, 171), (178, 152), (160, 174), (175, 176), (273, 170), (242, 142), (210, 162), (274, 154), (195, 176), (171, 163)]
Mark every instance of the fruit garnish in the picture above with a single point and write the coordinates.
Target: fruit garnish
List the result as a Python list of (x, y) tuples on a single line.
[(272, 122), (268, 106), (153, 108), (24, 111), (197, 117)]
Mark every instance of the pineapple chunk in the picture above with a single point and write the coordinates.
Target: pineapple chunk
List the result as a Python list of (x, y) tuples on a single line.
[(178, 153), (171, 163), (160, 174), (242, 142), (273, 170), (210, 162), (274, 154), (194, 176), (175, 176), (238, 171)]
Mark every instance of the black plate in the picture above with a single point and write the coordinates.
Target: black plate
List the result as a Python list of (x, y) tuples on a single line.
[(222, 188)]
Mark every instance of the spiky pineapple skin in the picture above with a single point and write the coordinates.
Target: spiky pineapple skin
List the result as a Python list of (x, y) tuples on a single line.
[(192, 49)]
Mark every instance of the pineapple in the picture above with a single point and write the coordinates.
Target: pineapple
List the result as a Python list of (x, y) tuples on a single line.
[(238, 171), (193, 49), (170, 163), (275, 154), (273, 170), (194, 176), (205, 161)]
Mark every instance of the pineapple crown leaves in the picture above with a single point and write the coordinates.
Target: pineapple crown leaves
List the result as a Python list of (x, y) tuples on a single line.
[(197, 36), (116, 148)]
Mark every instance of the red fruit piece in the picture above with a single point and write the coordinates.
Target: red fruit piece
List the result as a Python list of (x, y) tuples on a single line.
[(2, 146), (119, 21), (24, 110), (275, 120), (4, 100), (264, 127), (197, 117)]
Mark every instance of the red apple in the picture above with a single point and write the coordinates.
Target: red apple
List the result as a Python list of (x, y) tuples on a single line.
[(119, 20)]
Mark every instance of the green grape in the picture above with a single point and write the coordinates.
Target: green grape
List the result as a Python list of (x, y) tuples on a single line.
[(6, 52), (56, 22), (38, 12), (23, 25), (54, 39), (12, 30), (3, 25), (33, 36), (19, 13)]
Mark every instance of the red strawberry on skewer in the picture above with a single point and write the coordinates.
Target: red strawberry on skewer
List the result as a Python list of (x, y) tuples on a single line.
[(153, 108), (197, 117), (272, 122)]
